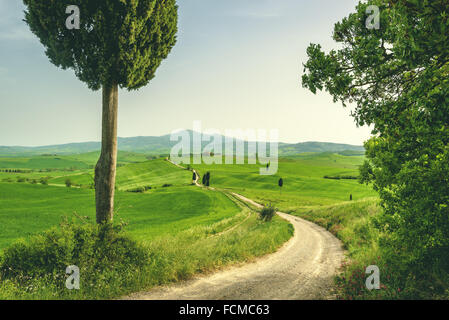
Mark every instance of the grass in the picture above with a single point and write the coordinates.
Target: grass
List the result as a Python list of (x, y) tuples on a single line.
[(158, 172), (56, 169), (39, 162), (171, 258), (184, 229), (188, 230), (26, 209), (352, 223), (326, 202), (154, 173), (78, 161), (349, 222), (123, 157), (304, 182)]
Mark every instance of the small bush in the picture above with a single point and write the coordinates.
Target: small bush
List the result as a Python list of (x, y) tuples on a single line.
[(20, 179), (108, 261), (137, 190), (267, 213), (43, 181), (167, 185), (68, 183)]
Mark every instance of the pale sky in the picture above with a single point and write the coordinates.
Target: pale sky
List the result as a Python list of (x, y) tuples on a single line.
[(237, 65)]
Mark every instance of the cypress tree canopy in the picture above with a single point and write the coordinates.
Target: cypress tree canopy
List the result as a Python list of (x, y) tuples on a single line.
[(119, 42)]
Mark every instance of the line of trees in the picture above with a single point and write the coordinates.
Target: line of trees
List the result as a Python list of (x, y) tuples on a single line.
[(397, 77), (347, 177), (206, 179)]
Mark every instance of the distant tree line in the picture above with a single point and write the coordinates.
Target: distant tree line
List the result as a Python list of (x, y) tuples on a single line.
[(342, 177), (206, 179), (42, 170), (15, 171)]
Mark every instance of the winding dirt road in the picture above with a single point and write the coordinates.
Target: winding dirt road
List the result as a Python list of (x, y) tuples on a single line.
[(302, 269)]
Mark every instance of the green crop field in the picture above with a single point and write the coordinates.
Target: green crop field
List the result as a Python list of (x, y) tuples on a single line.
[(27, 209), (304, 182), (154, 173), (185, 228), (36, 163), (123, 157), (175, 218), (60, 162)]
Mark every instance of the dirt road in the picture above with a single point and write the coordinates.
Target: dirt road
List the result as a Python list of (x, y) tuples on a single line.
[(302, 269)]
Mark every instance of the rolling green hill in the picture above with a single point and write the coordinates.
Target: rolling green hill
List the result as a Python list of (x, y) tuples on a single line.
[(163, 145), (26, 209), (154, 173), (304, 182), (75, 161), (35, 207), (185, 228)]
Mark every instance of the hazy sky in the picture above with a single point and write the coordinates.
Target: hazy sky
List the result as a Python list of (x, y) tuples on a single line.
[(237, 65)]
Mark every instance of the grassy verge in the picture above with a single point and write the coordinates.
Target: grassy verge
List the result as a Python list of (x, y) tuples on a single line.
[(353, 224), (137, 265)]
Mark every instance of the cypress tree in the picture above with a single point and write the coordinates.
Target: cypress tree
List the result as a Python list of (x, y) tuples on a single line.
[(117, 44), (281, 184)]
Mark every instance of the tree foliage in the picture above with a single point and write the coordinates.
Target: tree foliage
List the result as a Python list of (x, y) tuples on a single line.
[(119, 41), (397, 79), (281, 182), (207, 179)]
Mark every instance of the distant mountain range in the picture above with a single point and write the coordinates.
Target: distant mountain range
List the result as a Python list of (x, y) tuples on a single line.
[(163, 145)]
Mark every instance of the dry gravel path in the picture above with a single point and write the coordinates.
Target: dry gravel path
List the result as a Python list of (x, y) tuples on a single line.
[(303, 268)]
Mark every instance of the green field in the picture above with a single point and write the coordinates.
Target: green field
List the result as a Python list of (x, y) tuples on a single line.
[(185, 229), (76, 161), (154, 173), (304, 182), (42, 162), (27, 208), (195, 229)]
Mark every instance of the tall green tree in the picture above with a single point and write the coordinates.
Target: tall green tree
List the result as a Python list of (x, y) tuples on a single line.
[(119, 43), (397, 79), (208, 179)]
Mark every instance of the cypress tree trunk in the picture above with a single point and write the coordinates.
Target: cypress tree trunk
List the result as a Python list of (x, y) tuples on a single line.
[(105, 169)]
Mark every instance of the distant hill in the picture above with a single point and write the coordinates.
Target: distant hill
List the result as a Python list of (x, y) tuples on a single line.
[(291, 149), (163, 145)]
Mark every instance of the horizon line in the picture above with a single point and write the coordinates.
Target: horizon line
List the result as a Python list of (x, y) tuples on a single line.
[(131, 137)]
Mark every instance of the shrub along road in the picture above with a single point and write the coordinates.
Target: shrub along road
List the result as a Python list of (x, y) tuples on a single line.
[(303, 268)]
